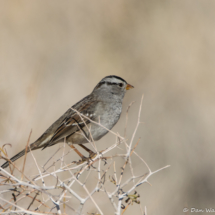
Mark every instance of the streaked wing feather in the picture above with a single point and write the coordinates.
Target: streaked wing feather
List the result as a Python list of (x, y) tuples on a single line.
[(68, 128), (71, 124)]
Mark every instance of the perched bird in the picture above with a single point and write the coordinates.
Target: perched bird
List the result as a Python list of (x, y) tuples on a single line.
[(103, 105)]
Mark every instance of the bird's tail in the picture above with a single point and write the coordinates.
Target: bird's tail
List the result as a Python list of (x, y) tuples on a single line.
[(14, 158)]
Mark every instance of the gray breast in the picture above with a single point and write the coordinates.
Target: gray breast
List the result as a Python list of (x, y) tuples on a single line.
[(107, 115), (108, 118)]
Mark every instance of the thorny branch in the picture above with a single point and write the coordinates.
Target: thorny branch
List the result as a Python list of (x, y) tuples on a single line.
[(54, 188)]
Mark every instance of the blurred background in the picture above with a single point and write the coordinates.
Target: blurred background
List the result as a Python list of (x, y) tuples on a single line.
[(53, 53)]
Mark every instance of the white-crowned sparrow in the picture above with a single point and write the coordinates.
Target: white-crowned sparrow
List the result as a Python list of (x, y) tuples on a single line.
[(103, 105)]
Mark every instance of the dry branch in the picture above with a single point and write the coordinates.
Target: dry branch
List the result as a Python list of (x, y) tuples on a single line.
[(109, 180)]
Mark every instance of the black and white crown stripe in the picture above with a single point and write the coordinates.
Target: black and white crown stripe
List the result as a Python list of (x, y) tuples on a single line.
[(111, 80)]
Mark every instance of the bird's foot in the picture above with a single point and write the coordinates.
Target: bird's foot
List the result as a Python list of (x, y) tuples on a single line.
[(92, 155), (83, 159)]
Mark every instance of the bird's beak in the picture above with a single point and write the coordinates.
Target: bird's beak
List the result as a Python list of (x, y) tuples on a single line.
[(128, 87)]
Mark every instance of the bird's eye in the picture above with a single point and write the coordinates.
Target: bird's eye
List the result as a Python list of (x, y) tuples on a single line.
[(121, 85)]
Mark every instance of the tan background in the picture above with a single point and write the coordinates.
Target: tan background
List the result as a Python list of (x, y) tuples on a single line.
[(53, 53)]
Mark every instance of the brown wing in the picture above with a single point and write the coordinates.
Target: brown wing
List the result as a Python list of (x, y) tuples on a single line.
[(72, 123)]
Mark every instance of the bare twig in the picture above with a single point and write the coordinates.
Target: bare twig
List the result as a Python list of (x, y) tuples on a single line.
[(59, 181), (26, 151)]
